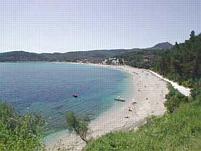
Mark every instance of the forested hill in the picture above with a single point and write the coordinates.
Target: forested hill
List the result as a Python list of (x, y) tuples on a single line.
[(183, 62), (94, 56), (91, 56)]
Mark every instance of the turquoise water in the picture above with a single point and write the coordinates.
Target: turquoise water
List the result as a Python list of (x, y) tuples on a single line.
[(47, 89)]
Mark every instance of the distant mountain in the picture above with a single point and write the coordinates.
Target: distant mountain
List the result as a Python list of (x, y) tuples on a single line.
[(163, 45), (20, 56), (94, 56)]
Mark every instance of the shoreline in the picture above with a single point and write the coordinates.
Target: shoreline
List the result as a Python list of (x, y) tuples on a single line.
[(145, 102), (147, 99)]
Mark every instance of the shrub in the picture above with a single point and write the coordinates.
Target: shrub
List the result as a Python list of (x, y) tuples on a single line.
[(78, 125), (174, 99), (19, 133)]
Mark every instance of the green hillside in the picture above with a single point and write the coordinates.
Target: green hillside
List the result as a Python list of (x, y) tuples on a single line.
[(183, 62)]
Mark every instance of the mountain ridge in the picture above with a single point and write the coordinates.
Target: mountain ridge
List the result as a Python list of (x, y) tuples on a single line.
[(94, 56)]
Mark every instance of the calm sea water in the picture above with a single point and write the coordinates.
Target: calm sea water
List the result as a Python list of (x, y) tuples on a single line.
[(47, 89)]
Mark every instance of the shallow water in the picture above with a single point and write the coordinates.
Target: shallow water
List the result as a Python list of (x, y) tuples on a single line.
[(47, 88)]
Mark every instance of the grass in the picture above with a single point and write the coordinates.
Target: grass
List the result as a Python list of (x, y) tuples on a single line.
[(175, 131)]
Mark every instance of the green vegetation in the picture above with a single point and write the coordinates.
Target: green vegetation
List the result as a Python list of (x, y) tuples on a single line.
[(78, 125), (19, 133), (174, 99), (180, 128), (143, 58), (183, 62)]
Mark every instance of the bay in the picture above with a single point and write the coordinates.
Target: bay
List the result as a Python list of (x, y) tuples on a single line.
[(47, 89)]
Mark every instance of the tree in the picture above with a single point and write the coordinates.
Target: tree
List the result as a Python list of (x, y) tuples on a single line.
[(78, 125), (176, 45), (192, 35), (121, 61)]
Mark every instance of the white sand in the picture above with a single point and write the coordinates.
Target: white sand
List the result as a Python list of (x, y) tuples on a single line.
[(149, 95), (183, 90)]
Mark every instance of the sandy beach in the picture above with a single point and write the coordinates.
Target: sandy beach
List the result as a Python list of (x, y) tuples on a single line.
[(147, 99)]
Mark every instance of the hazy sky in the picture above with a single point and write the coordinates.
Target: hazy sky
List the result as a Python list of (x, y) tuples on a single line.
[(66, 25)]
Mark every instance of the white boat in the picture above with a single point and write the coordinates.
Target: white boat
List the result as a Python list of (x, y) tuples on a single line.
[(120, 99)]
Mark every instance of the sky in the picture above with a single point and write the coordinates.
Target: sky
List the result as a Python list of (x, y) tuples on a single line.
[(72, 25)]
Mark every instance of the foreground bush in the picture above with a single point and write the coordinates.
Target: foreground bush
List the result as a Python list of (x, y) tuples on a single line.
[(19, 133), (174, 99)]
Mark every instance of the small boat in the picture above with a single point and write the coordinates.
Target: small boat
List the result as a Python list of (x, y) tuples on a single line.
[(120, 99), (75, 95)]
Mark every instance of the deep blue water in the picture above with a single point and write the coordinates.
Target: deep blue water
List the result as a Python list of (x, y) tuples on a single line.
[(47, 88)]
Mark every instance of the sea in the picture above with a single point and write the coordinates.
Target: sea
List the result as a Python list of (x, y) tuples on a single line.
[(47, 89)]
